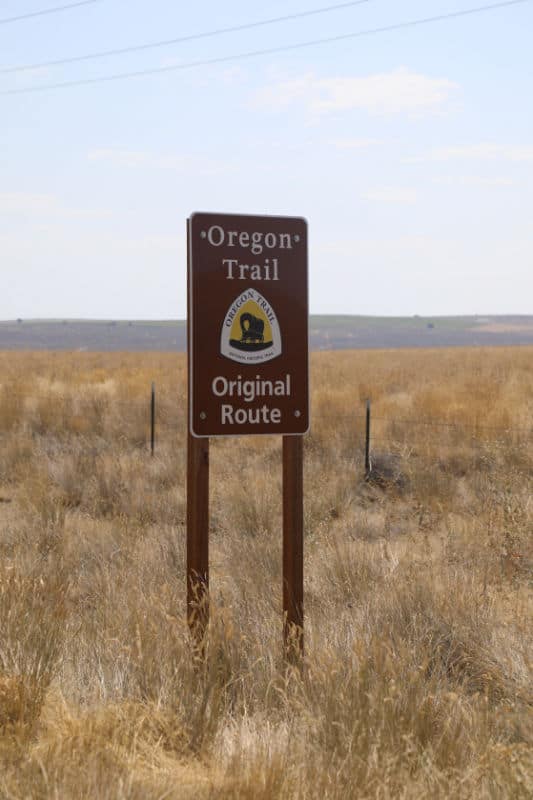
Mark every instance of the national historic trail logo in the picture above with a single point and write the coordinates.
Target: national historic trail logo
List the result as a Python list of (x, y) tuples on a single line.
[(250, 331)]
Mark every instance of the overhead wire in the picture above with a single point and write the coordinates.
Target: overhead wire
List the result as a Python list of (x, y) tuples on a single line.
[(265, 51), (46, 11), (181, 39)]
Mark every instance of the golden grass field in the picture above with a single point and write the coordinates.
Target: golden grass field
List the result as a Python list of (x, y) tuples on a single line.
[(417, 680)]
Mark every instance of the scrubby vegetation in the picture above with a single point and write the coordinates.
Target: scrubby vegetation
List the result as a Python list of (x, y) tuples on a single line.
[(417, 679)]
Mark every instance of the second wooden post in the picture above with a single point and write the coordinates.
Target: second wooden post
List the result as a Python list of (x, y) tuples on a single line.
[(197, 535), (293, 528)]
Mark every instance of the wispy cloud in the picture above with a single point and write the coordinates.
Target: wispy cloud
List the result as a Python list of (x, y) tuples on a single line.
[(398, 92), (143, 159), (482, 151), (355, 144), (472, 180), (25, 202), (392, 195), (138, 158), (44, 205)]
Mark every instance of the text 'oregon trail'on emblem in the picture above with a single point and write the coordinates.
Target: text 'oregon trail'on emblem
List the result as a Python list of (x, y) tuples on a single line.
[(250, 331)]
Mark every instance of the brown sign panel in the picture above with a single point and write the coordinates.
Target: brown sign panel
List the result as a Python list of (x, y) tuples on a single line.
[(248, 325)]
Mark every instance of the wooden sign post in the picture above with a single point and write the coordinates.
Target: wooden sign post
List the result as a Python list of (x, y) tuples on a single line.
[(248, 374), (293, 546)]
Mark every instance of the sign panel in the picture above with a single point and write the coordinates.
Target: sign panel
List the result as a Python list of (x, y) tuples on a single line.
[(248, 325)]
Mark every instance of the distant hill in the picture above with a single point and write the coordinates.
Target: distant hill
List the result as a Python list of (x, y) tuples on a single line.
[(325, 333)]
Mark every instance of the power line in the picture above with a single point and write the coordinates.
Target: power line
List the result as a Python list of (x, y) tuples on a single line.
[(45, 11), (266, 51), (181, 39)]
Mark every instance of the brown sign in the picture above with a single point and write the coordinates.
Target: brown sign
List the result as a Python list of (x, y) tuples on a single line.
[(248, 321)]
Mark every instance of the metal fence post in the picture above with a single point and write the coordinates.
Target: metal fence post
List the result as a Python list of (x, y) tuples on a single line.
[(367, 441), (152, 420)]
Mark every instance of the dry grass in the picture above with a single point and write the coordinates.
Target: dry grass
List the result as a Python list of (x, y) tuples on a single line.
[(418, 673)]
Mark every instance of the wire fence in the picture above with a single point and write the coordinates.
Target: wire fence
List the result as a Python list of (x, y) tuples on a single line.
[(157, 422), (109, 402)]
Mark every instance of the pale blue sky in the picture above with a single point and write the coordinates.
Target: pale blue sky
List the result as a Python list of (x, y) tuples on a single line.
[(409, 152)]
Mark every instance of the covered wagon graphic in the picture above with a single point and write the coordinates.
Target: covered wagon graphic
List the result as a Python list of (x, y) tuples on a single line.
[(252, 334)]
